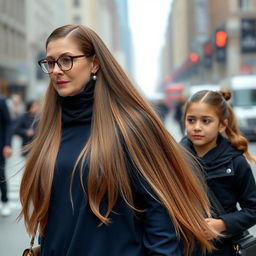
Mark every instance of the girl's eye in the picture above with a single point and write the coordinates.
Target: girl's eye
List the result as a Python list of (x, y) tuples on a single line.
[(190, 120), (206, 121)]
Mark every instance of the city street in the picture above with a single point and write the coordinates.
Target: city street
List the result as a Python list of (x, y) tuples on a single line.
[(13, 236)]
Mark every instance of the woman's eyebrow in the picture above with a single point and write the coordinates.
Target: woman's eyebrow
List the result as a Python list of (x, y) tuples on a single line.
[(65, 53)]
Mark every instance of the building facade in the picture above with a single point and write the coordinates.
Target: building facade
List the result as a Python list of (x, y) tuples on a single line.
[(24, 26), (210, 41), (12, 45), (109, 19), (41, 18)]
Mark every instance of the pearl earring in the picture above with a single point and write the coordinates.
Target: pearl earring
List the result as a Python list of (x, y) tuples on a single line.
[(94, 77)]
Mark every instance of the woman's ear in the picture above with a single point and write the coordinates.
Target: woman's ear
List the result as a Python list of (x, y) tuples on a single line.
[(95, 64), (223, 125)]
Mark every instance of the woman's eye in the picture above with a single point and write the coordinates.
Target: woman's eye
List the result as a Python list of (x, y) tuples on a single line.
[(51, 63), (65, 61)]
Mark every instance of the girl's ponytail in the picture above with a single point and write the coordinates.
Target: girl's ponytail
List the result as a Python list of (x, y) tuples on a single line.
[(232, 131)]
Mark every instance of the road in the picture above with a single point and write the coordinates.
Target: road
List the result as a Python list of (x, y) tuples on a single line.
[(13, 236)]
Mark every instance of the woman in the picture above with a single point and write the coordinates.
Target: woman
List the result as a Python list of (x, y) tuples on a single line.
[(103, 176)]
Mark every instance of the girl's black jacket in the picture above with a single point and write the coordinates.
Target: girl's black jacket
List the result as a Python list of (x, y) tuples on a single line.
[(230, 178)]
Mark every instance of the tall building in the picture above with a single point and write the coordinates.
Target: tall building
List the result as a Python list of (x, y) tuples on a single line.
[(24, 26), (13, 68), (41, 18), (125, 41), (109, 19), (210, 41)]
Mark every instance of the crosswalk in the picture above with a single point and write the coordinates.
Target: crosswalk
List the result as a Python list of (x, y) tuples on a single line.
[(13, 173)]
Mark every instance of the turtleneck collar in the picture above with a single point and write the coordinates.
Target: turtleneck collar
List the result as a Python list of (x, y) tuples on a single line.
[(78, 108)]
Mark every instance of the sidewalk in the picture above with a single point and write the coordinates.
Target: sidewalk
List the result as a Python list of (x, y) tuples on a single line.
[(13, 236)]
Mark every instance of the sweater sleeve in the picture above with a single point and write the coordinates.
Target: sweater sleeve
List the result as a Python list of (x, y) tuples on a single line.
[(160, 237), (7, 123), (245, 190)]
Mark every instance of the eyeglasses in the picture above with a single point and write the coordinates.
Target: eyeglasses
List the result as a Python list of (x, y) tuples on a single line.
[(65, 63)]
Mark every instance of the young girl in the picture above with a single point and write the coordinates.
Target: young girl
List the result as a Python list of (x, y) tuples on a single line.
[(213, 137)]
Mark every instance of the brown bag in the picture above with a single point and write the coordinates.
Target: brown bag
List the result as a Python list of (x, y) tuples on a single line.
[(32, 251)]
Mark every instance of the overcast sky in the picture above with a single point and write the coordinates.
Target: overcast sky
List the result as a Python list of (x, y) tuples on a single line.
[(148, 20)]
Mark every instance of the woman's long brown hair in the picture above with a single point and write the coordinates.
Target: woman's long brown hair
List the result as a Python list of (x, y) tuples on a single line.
[(120, 117)]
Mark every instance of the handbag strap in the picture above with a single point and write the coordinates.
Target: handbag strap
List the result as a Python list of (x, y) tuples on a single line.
[(32, 241), (219, 209)]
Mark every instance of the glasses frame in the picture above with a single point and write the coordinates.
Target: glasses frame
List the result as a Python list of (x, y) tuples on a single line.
[(59, 65)]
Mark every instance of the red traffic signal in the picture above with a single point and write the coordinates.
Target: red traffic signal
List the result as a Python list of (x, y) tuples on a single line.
[(193, 57), (221, 38)]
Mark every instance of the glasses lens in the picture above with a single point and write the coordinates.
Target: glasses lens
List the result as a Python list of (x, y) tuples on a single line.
[(47, 66), (65, 62)]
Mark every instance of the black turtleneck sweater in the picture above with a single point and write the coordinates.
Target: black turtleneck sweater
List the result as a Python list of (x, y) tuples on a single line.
[(76, 231)]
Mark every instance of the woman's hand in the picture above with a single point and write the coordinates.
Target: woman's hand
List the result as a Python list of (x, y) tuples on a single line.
[(7, 151), (217, 225)]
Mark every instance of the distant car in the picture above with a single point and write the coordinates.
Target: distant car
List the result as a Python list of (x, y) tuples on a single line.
[(173, 94), (243, 100)]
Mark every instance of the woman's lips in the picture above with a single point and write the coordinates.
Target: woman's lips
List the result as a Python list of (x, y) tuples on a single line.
[(61, 83)]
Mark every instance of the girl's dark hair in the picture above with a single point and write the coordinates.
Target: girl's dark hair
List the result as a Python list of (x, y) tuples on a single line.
[(218, 100)]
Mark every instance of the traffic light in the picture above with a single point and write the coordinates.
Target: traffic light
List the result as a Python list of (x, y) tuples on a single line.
[(221, 39), (208, 51), (194, 58)]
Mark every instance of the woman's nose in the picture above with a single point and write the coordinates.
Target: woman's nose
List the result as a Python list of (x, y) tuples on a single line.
[(56, 69)]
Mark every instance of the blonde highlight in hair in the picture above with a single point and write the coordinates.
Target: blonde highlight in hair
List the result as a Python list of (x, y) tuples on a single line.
[(38, 174), (121, 117)]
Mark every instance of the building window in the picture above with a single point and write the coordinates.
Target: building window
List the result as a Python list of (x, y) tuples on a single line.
[(1, 41), (244, 4), (76, 3)]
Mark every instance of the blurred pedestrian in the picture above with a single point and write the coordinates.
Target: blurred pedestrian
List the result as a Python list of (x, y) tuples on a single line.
[(16, 108), (102, 165), (213, 137), (5, 152), (178, 113), (26, 124), (161, 109)]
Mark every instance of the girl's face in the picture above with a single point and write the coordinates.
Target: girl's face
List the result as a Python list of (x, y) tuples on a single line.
[(73, 81), (203, 126)]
